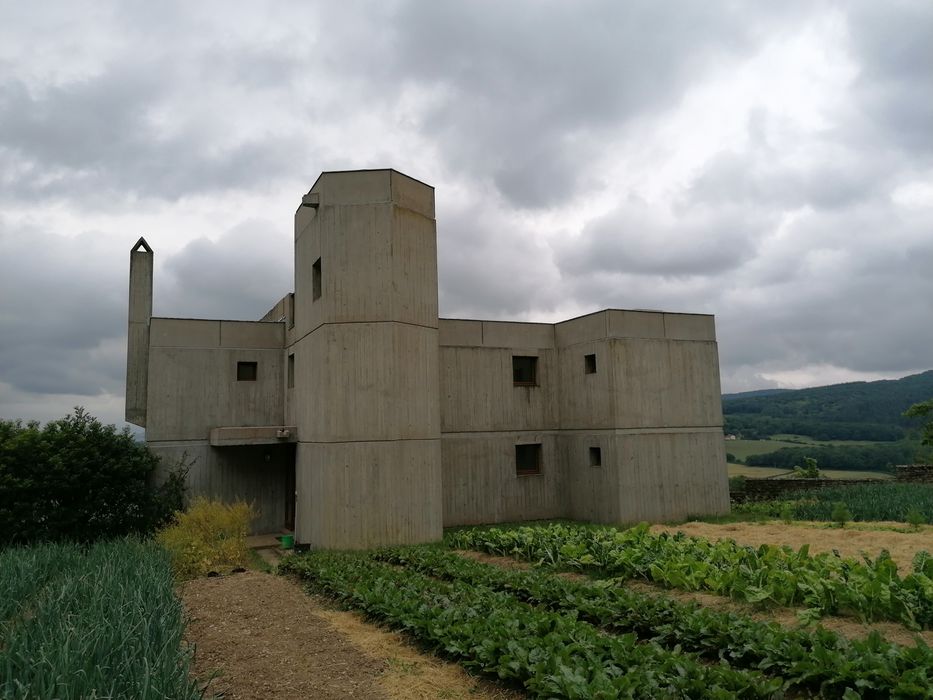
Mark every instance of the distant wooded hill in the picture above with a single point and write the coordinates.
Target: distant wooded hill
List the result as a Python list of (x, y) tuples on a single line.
[(852, 411)]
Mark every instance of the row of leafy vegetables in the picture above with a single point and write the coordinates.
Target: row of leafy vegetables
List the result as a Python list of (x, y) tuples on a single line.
[(871, 589), (594, 639)]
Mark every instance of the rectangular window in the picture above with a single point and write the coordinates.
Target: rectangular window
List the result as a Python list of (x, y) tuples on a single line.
[(589, 364), (291, 310), (596, 457), (246, 371), (524, 370), (316, 280), (528, 459), (291, 371)]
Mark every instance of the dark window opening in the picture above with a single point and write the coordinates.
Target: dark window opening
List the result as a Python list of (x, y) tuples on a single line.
[(524, 370), (589, 364), (316, 280), (596, 457), (291, 371), (291, 310), (246, 371), (527, 459)]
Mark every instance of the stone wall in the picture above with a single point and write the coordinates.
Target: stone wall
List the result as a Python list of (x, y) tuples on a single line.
[(915, 473), (771, 489)]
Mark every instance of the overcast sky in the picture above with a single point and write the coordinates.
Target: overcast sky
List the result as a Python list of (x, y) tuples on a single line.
[(767, 162)]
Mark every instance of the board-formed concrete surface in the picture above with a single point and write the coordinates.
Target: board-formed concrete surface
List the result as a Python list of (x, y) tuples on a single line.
[(353, 414)]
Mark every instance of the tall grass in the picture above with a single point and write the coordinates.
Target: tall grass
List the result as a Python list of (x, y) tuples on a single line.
[(101, 622), (868, 502)]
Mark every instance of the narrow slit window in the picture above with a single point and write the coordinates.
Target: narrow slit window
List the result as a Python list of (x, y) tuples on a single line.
[(316, 280), (596, 457), (528, 459), (291, 371), (291, 310), (524, 370), (589, 364), (246, 371)]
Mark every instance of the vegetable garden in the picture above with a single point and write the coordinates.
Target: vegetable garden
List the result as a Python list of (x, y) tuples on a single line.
[(591, 637), (95, 622)]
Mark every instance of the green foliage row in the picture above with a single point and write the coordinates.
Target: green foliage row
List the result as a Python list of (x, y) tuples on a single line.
[(808, 660), (867, 502), (101, 622), (77, 479), (824, 583), (857, 457), (552, 654)]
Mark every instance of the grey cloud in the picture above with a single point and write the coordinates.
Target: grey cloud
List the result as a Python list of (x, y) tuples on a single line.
[(521, 83), (891, 41), (636, 239), (488, 268), (241, 275), (63, 311)]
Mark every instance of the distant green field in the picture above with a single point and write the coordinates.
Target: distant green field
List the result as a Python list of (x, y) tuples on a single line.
[(744, 448)]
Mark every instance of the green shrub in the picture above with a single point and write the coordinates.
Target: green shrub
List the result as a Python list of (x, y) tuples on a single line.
[(737, 483), (77, 479), (210, 536), (840, 514)]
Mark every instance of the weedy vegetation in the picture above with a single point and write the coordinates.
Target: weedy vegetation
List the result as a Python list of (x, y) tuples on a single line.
[(209, 536)]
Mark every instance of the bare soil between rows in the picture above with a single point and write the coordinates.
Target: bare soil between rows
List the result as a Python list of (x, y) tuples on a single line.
[(258, 636)]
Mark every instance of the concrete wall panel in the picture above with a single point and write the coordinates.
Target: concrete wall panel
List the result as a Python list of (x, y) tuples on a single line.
[(463, 333), (503, 334), (689, 327), (356, 387), (355, 495), (184, 333), (636, 324), (477, 392), (480, 484), (587, 401), (666, 383), (196, 389), (593, 490), (583, 329), (670, 476), (252, 334)]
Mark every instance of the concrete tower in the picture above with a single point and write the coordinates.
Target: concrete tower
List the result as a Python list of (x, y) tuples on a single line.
[(137, 333), (365, 362)]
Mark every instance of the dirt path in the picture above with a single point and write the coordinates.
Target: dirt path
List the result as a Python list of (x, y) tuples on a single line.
[(267, 639), (849, 541)]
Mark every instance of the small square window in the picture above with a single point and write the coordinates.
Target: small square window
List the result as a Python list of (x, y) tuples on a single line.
[(246, 371), (528, 459), (589, 364), (316, 280), (596, 457), (524, 370), (291, 371)]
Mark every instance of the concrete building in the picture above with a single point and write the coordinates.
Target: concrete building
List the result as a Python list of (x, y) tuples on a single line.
[(353, 414)]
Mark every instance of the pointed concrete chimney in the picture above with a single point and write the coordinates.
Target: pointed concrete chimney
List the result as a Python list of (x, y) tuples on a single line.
[(137, 335)]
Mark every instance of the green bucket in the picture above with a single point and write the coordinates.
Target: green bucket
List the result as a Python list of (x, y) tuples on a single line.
[(288, 541)]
